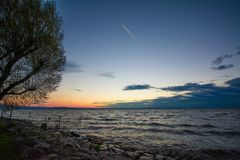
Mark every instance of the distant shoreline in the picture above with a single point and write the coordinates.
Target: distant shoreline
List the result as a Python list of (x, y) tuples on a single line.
[(104, 108)]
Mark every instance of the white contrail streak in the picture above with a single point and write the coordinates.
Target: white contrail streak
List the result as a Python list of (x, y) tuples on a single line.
[(129, 32)]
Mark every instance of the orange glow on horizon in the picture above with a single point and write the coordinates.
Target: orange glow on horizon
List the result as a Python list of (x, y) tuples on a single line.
[(66, 98), (67, 104)]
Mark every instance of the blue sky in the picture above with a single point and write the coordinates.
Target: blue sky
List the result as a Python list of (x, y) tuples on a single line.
[(113, 44)]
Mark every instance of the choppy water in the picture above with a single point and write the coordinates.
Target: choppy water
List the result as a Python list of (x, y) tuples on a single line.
[(188, 128)]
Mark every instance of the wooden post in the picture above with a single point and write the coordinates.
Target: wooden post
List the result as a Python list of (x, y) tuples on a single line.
[(59, 121), (79, 123), (45, 119), (2, 112), (11, 110), (29, 116)]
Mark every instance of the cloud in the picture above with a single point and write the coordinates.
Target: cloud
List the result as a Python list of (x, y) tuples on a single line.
[(129, 32), (234, 82), (198, 96), (238, 51), (71, 67), (220, 59), (107, 74), (223, 67), (77, 90), (217, 63), (137, 87), (189, 87)]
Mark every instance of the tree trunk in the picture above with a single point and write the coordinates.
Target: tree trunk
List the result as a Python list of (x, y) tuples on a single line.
[(2, 113), (10, 116), (1, 96)]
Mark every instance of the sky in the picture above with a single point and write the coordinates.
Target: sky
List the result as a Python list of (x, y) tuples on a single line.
[(140, 52)]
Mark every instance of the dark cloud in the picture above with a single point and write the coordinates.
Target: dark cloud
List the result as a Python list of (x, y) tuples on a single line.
[(137, 87), (77, 90), (71, 67), (107, 74), (217, 64), (238, 51), (199, 96), (220, 59), (234, 82), (223, 67), (189, 87)]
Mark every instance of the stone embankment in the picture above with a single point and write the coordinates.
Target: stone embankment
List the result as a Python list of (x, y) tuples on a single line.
[(42, 143)]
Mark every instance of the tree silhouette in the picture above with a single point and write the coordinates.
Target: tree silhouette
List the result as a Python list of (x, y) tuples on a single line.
[(31, 52)]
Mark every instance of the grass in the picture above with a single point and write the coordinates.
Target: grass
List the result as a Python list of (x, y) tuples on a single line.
[(8, 150), (96, 147)]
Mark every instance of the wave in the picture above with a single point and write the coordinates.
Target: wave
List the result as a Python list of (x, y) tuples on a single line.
[(154, 130), (107, 119), (224, 133), (169, 131), (156, 124), (196, 126), (153, 124)]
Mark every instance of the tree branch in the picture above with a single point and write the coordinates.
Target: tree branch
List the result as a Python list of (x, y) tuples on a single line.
[(4, 56), (7, 70), (19, 93), (11, 86)]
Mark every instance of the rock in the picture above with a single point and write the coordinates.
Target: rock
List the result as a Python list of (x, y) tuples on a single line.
[(78, 146), (68, 145), (32, 141), (33, 153), (58, 134), (43, 126), (73, 134), (128, 148), (130, 154), (81, 157), (56, 149), (19, 139), (54, 156), (86, 156), (83, 149), (95, 139), (105, 147), (73, 158), (160, 157), (111, 156), (42, 145), (149, 155), (145, 158), (43, 158)]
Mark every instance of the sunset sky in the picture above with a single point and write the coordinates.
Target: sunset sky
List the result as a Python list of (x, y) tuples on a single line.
[(131, 51)]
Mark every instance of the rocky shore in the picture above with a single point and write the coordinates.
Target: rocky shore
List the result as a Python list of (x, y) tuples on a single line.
[(43, 143)]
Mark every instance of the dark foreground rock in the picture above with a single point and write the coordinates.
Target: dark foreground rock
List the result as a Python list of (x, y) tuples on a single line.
[(43, 143)]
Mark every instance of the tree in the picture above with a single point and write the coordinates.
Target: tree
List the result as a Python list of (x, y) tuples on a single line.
[(31, 52), (10, 103)]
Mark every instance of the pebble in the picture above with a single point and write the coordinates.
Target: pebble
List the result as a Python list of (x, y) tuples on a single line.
[(42, 145), (54, 156), (145, 158), (160, 157)]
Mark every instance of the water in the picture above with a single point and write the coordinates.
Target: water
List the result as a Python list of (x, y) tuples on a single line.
[(152, 128)]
